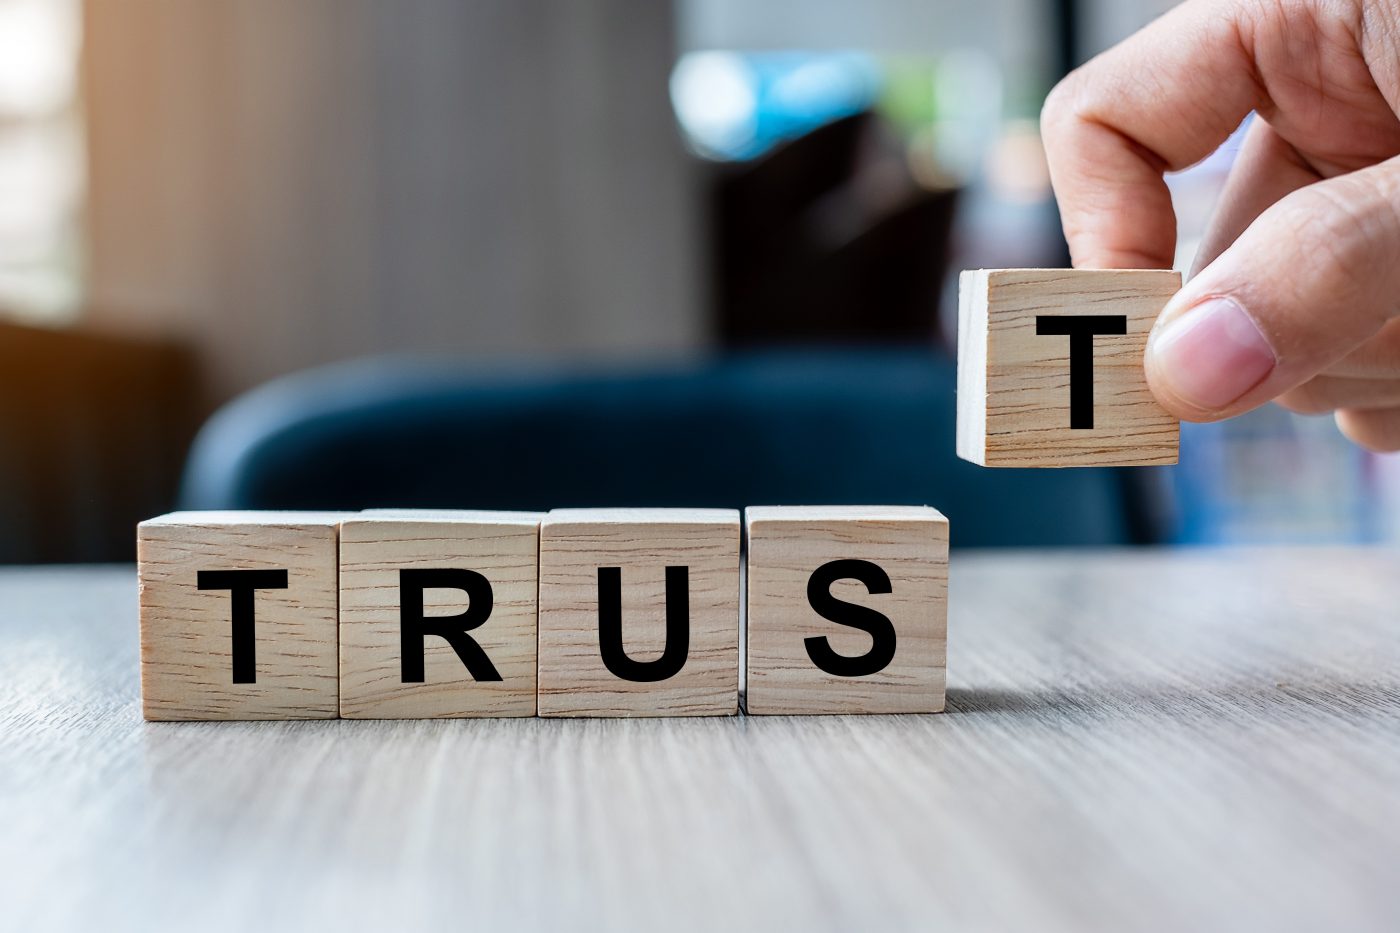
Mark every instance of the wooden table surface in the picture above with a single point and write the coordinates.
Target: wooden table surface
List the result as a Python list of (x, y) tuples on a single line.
[(1135, 740)]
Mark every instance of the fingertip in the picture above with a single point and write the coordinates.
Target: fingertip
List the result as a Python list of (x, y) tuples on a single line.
[(1377, 430), (1096, 251), (1202, 361), (1174, 404)]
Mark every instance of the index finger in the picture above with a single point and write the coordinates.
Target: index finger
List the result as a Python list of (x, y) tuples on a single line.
[(1160, 101)]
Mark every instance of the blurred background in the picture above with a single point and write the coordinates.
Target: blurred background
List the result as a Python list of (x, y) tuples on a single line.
[(522, 254)]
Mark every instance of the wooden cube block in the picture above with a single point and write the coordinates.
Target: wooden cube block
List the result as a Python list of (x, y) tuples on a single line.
[(847, 609), (437, 614), (238, 615), (639, 612), (1050, 368)]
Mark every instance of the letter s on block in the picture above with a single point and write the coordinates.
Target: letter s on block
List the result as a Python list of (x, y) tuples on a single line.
[(878, 625)]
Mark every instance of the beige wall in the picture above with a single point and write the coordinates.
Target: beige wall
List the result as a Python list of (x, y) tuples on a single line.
[(290, 183), (1016, 32)]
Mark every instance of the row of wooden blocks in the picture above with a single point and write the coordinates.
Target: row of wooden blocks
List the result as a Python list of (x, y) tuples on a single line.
[(394, 614), (624, 613)]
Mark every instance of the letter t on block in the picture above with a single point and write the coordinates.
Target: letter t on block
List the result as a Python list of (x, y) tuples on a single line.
[(239, 615), (1050, 368)]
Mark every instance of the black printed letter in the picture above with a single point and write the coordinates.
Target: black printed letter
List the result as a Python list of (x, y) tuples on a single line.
[(844, 613), (242, 584), (414, 626), (1081, 329), (677, 650)]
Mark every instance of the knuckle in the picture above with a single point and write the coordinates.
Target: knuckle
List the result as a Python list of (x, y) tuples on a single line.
[(1353, 229), (1058, 108), (1067, 103)]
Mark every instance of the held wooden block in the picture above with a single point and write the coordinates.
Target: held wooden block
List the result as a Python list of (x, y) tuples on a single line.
[(1050, 370), (238, 615), (437, 614), (847, 609), (639, 612)]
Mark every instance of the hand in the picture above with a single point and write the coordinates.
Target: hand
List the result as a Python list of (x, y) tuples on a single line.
[(1297, 297)]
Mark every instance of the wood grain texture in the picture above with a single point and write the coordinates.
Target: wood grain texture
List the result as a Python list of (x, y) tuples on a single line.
[(1146, 741), (574, 543), (374, 548), (186, 633), (785, 545), (1013, 384)]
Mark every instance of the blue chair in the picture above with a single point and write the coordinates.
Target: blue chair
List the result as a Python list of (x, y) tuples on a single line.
[(769, 428)]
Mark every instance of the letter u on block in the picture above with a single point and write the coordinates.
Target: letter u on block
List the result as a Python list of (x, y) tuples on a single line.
[(847, 609), (639, 612)]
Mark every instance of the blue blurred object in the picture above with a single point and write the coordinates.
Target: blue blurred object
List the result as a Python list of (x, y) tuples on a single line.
[(738, 105), (1270, 477), (875, 427)]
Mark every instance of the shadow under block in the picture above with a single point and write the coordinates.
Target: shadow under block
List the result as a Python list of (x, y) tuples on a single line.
[(612, 582), (861, 589), (238, 615), (1015, 403), (405, 574)]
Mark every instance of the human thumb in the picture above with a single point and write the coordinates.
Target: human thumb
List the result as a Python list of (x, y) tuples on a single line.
[(1315, 276)]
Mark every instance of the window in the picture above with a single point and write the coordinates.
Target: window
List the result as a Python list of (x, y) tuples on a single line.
[(42, 165)]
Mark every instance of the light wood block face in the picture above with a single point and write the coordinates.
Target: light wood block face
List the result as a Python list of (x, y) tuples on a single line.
[(479, 567), (609, 581), (238, 615), (1016, 407), (847, 609)]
